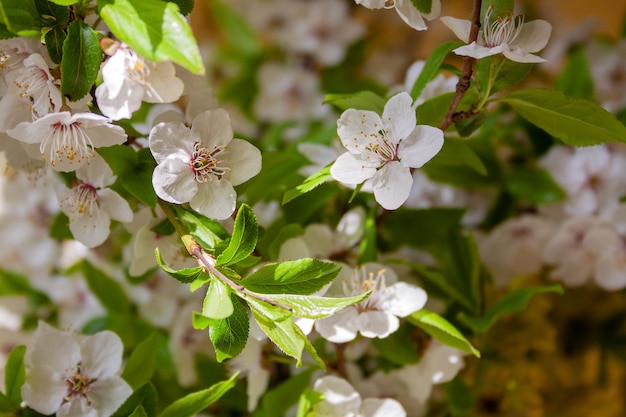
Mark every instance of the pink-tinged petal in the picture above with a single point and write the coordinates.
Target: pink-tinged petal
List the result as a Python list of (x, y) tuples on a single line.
[(96, 172), (340, 398), (101, 354), (216, 199), (121, 105), (174, 181), (90, 228), (116, 206), (358, 128), (350, 170), (392, 185), (341, 327), (77, 407), (533, 37), (106, 135), (477, 51), (519, 55), (377, 323), (420, 146), (399, 117), (410, 14), (165, 87), (460, 27), (52, 347), (244, 159), (44, 389), (172, 139), (213, 127), (402, 299), (388, 407)]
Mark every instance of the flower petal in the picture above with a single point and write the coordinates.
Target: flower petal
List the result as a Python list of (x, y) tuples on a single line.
[(340, 398), (399, 117), (172, 139), (356, 128), (215, 199), (90, 228), (115, 205), (164, 86), (392, 185), (377, 323), (44, 389), (350, 170), (341, 327), (101, 354), (410, 14), (376, 407), (420, 146), (518, 55), (244, 159), (460, 27), (107, 394), (213, 126), (477, 51), (402, 299), (174, 181), (533, 36)]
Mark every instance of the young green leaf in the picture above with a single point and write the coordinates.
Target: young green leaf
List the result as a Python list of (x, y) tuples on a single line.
[(368, 249), (20, 17), (208, 232), (514, 301), (195, 402), (185, 275), (199, 322), (363, 100), (229, 335), (432, 111), (312, 182), (454, 153), (154, 29), (244, 238), (55, 38), (314, 307), (304, 276), (575, 121), (108, 291), (399, 347), (279, 328), (217, 304), (278, 400), (460, 397), (576, 79), (441, 330), (535, 185), (52, 15), (307, 400), (142, 362), (431, 66), (14, 374), (139, 412), (145, 397), (7, 408), (237, 30), (435, 226), (502, 73), (81, 60)]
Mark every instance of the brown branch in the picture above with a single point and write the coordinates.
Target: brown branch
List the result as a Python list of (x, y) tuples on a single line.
[(466, 75)]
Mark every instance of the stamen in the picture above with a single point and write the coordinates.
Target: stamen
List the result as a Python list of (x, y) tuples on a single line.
[(205, 165)]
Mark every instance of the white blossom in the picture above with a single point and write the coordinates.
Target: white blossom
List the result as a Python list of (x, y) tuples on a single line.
[(510, 36), (74, 376), (406, 10), (385, 149), (90, 205), (377, 315), (202, 164), (128, 79)]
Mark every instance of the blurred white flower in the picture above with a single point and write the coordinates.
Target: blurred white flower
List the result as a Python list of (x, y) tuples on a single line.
[(406, 10), (435, 87), (608, 68)]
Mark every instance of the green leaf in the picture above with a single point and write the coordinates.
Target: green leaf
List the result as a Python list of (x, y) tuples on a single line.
[(195, 402), (142, 362), (108, 291), (424, 6), (199, 322), (435, 225), (363, 100), (20, 17), (279, 327), (576, 79), (81, 60), (307, 401), (455, 153), (400, 347), (145, 397), (185, 275), (14, 374), (368, 249), (64, 2), (52, 15), (60, 227), (244, 238), (208, 232), (54, 43), (134, 168), (12, 283), (460, 398), (217, 304), (506, 72), (278, 400), (139, 412), (515, 301), (303, 276), (501, 8), (575, 121), (315, 307), (154, 29), (437, 279), (185, 6), (441, 330), (432, 111), (312, 182), (432, 65), (229, 335), (535, 185), (238, 33), (7, 409)]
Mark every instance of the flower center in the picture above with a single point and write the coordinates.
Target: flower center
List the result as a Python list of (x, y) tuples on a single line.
[(67, 141), (380, 148), (503, 30), (363, 281), (33, 90), (78, 384), (205, 165), (138, 70), (84, 199)]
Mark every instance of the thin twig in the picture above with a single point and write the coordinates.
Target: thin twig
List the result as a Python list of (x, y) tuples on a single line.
[(466, 75)]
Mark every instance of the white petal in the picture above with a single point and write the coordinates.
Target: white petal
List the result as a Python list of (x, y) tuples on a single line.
[(518, 55), (420, 146), (216, 199), (477, 51), (164, 86), (121, 105), (108, 394), (51, 347), (116, 206), (533, 37), (101, 354), (341, 327), (76, 407), (388, 407), (244, 159), (213, 127), (96, 172), (350, 170), (340, 398), (410, 14), (174, 181), (356, 128), (171, 139), (392, 185), (371, 4), (44, 389), (402, 299), (91, 229), (399, 117), (460, 27), (377, 323)]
